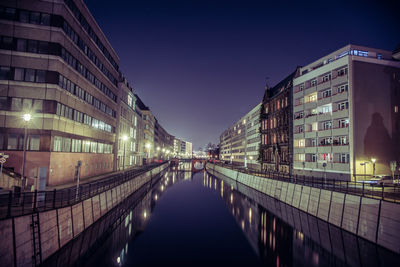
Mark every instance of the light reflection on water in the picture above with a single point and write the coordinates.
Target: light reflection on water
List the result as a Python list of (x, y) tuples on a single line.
[(265, 223)]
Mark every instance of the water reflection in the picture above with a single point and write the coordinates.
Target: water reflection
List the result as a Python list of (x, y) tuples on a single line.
[(279, 234), (285, 236)]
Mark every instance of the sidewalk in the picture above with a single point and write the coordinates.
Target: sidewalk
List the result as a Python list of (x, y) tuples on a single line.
[(92, 179)]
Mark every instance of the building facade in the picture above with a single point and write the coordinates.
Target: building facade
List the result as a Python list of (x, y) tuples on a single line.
[(182, 149), (346, 119), (57, 66), (276, 127), (163, 142), (240, 143)]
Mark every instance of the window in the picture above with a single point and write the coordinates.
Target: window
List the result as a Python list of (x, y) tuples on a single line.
[(379, 56), (18, 74), (100, 148), (33, 142), (40, 76), (93, 147), (12, 142), (21, 45), (344, 158), (314, 82), (343, 88), (343, 123), (24, 16), (343, 105), (32, 46), (326, 141), (86, 146), (342, 72), (76, 145), (301, 87), (34, 18), (311, 98), (27, 104), (29, 75), (326, 77), (57, 143), (326, 125), (326, 93), (5, 73), (326, 109), (66, 144), (396, 109), (314, 157)]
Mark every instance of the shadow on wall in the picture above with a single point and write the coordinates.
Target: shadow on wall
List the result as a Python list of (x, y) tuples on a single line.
[(377, 141)]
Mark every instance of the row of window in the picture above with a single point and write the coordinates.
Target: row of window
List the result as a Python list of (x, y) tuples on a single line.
[(27, 45), (16, 142), (20, 74), (323, 78), (65, 144), (78, 15), (72, 114), (313, 97), (323, 157), (86, 50), (325, 141), (86, 73), (84, 95), (57, 21), (324, 125), (276, 105), (344, 105)]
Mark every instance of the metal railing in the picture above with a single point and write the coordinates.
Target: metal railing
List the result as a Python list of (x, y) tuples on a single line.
[(22, 203), (385, 192)]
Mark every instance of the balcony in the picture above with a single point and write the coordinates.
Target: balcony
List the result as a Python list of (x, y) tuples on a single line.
[(310, 165), (340, 148), (324, 116), (310, 134), (325, 133), (299, 121), (299, 150), (310, 90), (339, 80), (310, 118), (324, 100), (310, 149), (310, 105), (298, 108), (340, 113), (324, 85), (340, 131), (298, 135), (337, 166), (324, 148), (340, 97)]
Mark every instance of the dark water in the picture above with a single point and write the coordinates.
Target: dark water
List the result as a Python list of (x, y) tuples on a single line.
[(202, 220)]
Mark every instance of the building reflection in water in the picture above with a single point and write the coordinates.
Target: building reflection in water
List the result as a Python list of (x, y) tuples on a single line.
[(285, 236)]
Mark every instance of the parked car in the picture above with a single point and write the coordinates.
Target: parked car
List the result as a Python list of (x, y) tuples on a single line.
[(385, 180)]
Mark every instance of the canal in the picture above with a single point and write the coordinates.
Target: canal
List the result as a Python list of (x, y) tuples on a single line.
[(185, 219)]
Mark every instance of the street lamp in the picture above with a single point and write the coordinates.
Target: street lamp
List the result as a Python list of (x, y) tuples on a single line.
[(27, 117), (124, 138), (373, 165)]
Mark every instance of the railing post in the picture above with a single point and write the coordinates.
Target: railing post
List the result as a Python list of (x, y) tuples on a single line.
[(54, 198), (90, 191), (9, 204), (363, 190), (383, 190), (69, 190), (34, 200), (312, 180)]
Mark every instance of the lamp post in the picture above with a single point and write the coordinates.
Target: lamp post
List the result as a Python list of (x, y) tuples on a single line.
[(124, 138), (27, 117), (373, 165), (365, 168)]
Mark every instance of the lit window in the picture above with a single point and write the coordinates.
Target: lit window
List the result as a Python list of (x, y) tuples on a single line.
[(396, 109)]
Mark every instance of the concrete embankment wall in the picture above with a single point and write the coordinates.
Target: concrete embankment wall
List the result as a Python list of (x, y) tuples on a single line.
[(375, 220), (57, 227)]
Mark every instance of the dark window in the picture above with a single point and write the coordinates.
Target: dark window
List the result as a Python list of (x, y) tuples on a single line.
[(23, 16), (32, 46), (35, 18), (29, 75), (5, 73), (43, 47), (45, 20), (3, 103), (21, 45), (40, 76), (18, 74)]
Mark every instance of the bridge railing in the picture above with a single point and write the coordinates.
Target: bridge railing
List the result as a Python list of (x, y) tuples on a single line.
[(17, 204)]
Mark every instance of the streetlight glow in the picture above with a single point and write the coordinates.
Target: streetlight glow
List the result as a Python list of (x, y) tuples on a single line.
[(124, 137), (27, 117)]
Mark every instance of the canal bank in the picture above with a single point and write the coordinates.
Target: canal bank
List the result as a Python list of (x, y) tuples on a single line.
[(375, 220), (30, 239)]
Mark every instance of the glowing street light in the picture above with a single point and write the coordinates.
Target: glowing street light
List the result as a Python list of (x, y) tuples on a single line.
[(27, 117)]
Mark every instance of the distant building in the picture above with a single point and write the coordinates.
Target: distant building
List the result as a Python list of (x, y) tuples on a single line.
[(163, 142), (182, 149), (276, 126), (346, 114), (239, 144)]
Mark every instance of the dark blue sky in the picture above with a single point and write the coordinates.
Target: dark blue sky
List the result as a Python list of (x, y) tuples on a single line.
[(201, 65)]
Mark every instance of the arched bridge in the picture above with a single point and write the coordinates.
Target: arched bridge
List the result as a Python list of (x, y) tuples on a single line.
[(194, 165)]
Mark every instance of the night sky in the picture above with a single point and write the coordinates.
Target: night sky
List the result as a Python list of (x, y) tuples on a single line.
[(201, 65)]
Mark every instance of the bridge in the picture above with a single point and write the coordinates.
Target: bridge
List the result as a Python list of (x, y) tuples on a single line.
[(193, 165)]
